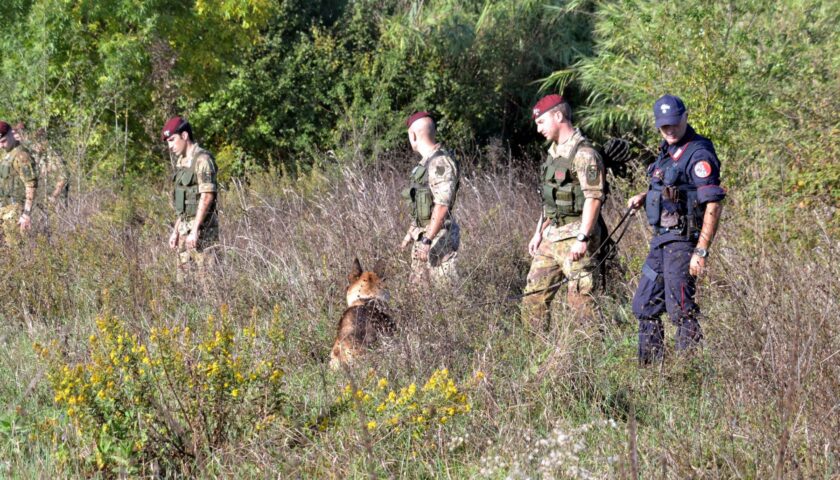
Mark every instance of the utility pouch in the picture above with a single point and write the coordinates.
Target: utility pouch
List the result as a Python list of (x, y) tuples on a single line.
[(565, 201), (653, 206), (579, 198), (4, 170), (424, 202), (548, 196), (670, 216), (408, 194), (191, 201), (179, 200)]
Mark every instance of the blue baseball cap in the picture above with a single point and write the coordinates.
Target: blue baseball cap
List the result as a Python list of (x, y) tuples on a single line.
[(668, 110)]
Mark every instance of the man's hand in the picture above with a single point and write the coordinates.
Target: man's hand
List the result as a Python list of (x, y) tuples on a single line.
[(406, 241), (192, 240), (173, 240), (25, 222), (422, 252), (534, 244), (635, 202), (697, 265), (578, 250)]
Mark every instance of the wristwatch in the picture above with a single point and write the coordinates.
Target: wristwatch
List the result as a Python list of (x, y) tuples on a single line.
[(425, 240), (582, 237), (701, 252)]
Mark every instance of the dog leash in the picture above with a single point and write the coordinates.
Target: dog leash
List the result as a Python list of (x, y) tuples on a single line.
[(622, 223)]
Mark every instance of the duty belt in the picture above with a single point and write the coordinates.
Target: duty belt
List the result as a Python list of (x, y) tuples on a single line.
[(663, 230)]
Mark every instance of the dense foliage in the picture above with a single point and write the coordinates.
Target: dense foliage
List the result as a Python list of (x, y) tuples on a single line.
[(295, 83), (759, 78)]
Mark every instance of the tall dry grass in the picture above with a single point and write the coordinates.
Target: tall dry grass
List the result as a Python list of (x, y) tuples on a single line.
[(761, 399)]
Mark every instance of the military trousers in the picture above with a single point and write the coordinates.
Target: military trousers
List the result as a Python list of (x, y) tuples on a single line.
[(197, 261), (553, 265), (10, 216), (666, 286)]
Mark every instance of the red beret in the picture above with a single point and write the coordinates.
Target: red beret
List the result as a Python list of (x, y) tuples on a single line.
[(172, 126), (416, 116), (4, 128), (545, 104)]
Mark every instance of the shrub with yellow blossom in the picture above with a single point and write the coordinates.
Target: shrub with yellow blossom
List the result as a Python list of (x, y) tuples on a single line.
[(409, 409), (171, 398)]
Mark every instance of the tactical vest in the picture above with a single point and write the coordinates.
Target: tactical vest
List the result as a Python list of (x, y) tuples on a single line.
[(671, 200), (419, 195), (562, 195), (12, 189), (185, 196)]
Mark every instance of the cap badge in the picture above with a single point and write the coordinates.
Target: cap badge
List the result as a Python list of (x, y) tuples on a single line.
[(536, 112), (166, 133), (665, 108)]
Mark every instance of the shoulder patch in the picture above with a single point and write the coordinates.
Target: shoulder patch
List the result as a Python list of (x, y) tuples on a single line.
[(702, 169), (591, 172), (440, 170)]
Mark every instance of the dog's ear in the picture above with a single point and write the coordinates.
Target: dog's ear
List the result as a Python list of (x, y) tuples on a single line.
[(379, 269), (355, 271)]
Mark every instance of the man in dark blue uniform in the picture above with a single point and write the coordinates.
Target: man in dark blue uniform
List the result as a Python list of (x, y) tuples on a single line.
[(683, 205)]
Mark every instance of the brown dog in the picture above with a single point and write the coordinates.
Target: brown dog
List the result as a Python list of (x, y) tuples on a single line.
[(366, 316)]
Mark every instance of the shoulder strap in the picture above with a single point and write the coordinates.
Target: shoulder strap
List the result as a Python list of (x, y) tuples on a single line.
[(573, 153)]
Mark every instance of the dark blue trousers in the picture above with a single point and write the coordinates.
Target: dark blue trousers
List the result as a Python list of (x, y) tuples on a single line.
[(666, 285)]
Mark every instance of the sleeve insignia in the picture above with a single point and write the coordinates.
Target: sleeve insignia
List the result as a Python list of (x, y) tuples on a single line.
[(591, 173), (440, 170), (703, 169)]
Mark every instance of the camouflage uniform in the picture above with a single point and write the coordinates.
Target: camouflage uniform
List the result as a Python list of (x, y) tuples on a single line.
[(17, 172), (196, 172), (52, 170), (438, 173), (552, 263)]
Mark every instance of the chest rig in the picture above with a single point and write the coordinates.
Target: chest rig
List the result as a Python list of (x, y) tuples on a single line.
[(562, 196), (671, 202), (418, 195), (185, 195), (12, 189)]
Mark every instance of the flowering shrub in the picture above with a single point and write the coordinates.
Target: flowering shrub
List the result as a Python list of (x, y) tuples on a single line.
[(165, 402), (408, 409)]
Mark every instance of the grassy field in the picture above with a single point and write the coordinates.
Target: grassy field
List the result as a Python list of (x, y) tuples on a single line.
[(236, 383)]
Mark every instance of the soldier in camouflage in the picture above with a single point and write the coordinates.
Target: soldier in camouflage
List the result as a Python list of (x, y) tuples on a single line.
[(18, 183), (53, 176), (568, 233), (195, 234), (434, 235)]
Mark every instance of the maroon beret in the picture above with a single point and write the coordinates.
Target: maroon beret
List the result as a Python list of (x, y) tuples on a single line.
[(545, 104), (172, 126), (4, 128), (416, 116)]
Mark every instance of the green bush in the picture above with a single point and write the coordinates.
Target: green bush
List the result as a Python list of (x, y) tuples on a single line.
[(167, 401)]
